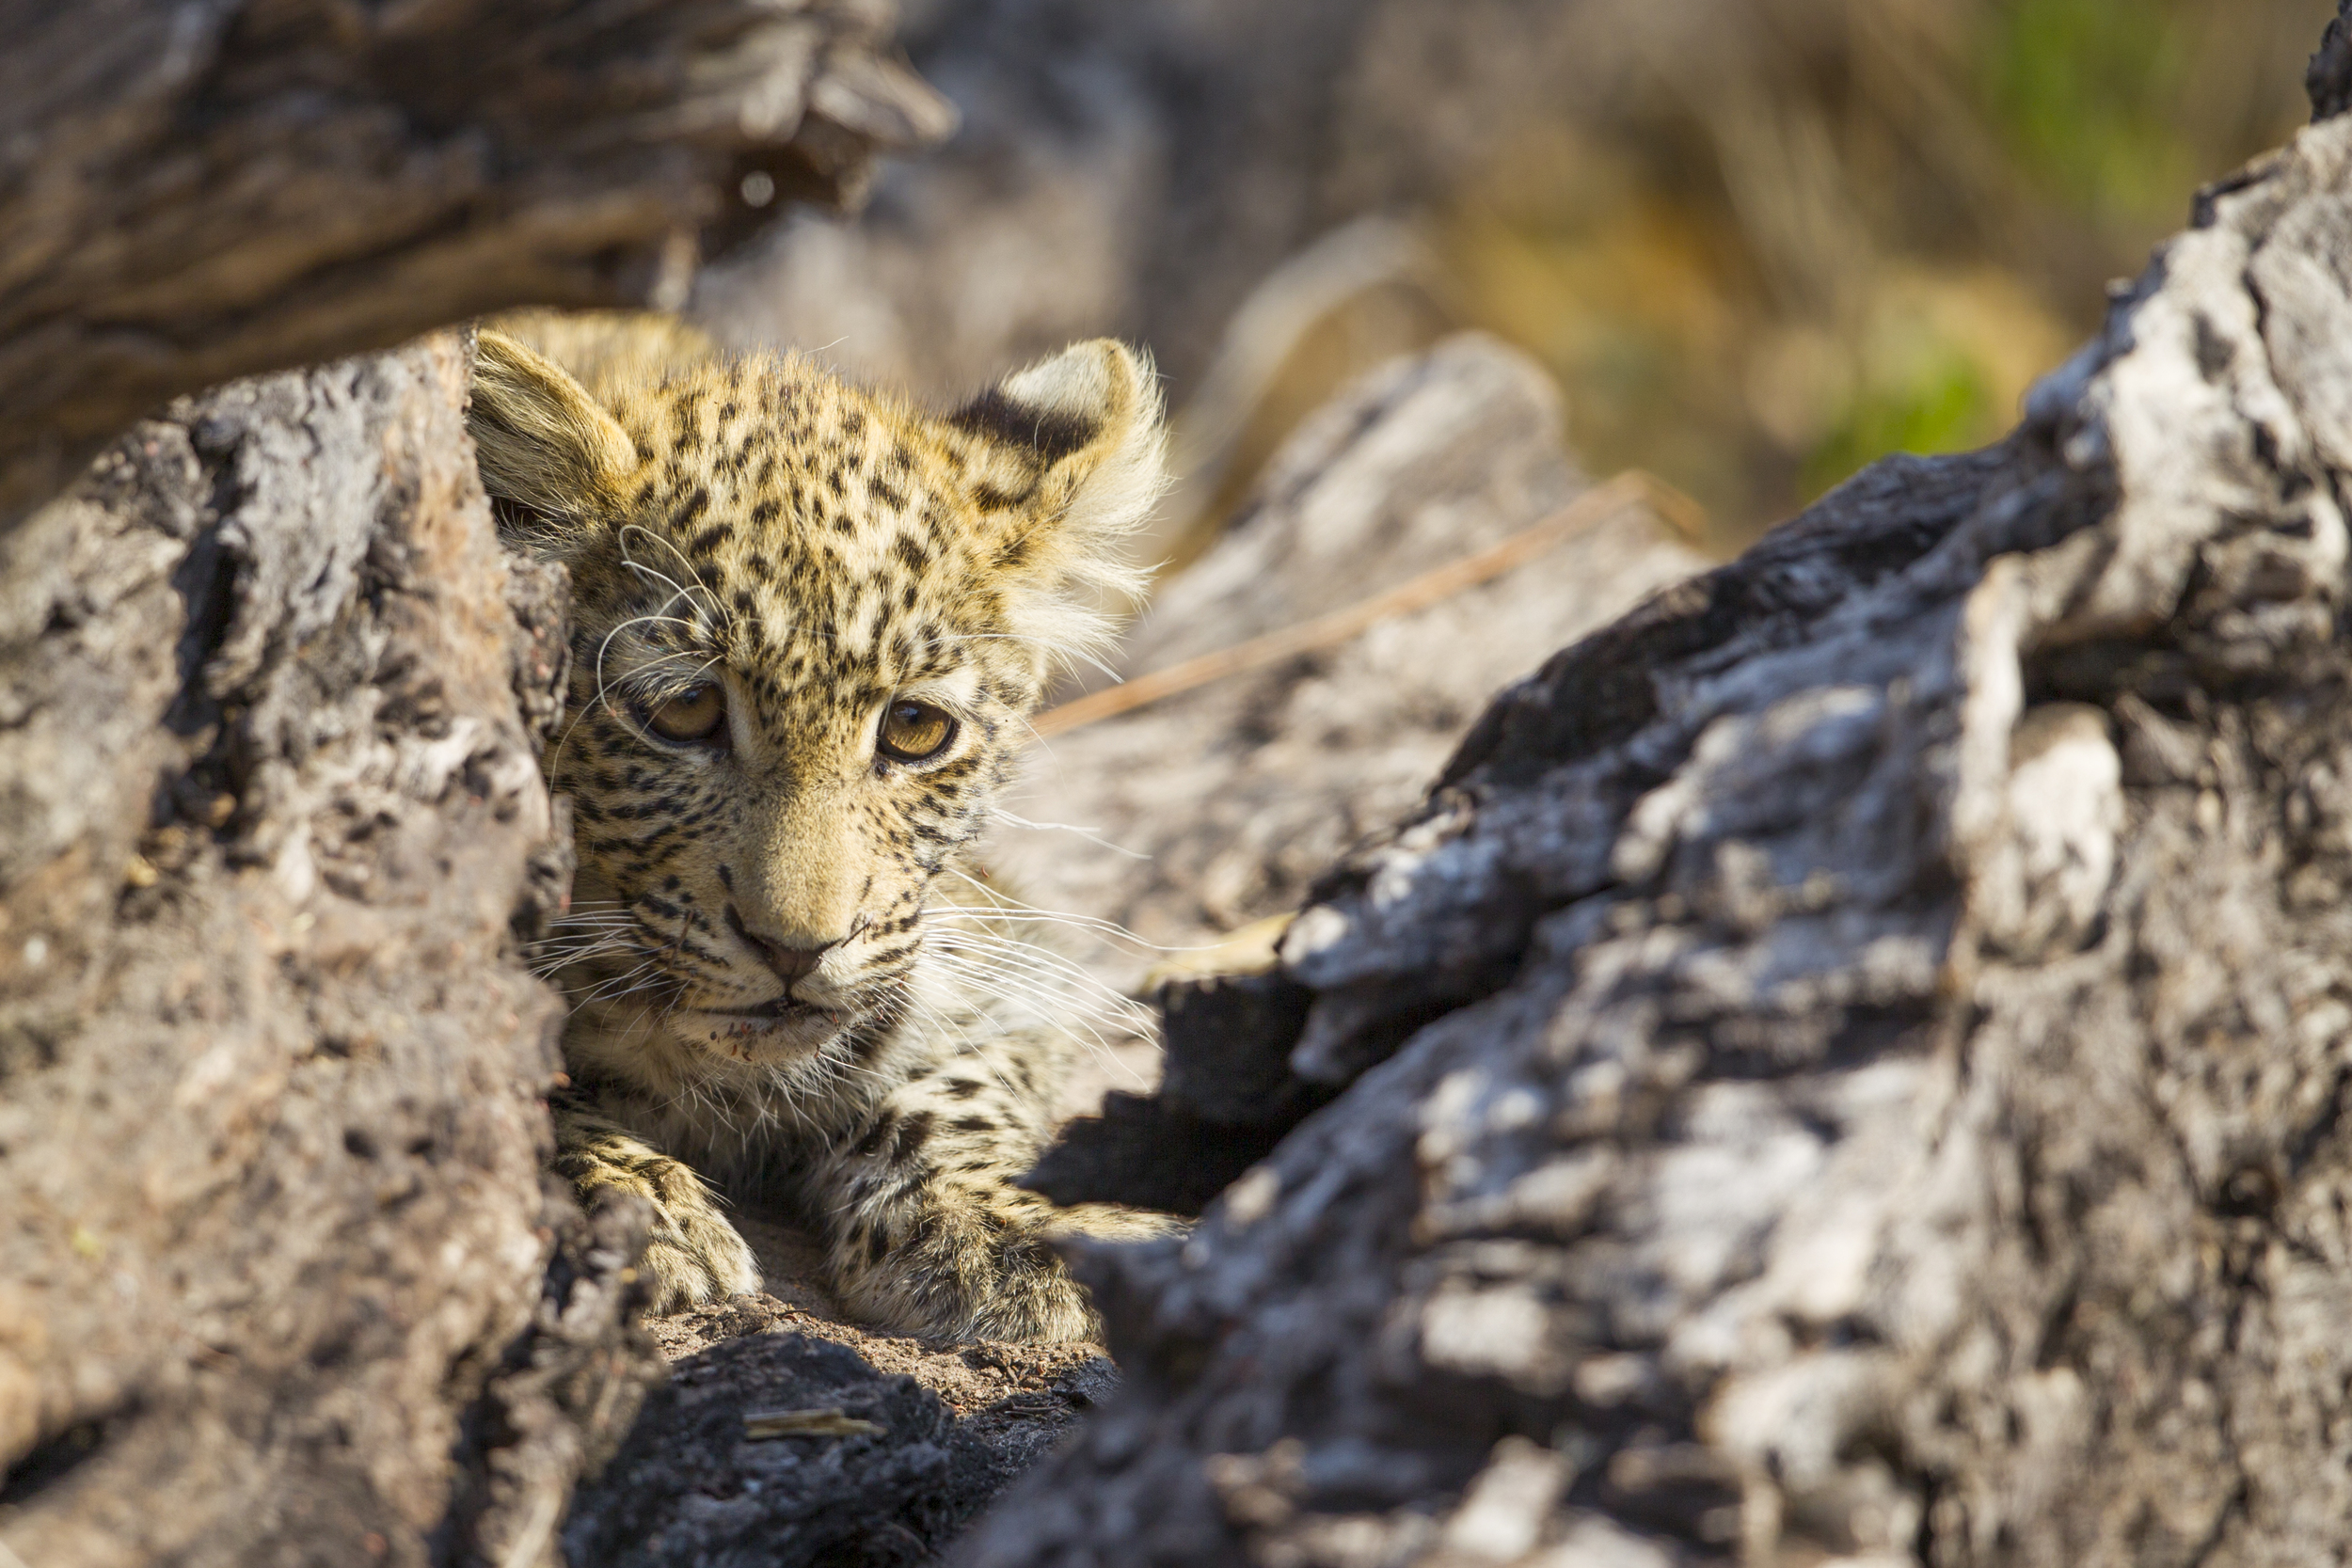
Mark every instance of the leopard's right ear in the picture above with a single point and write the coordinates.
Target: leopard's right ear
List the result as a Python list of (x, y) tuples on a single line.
[(547, 446)]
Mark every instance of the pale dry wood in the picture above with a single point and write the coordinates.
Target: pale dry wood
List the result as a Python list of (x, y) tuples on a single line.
[(762, 1425)]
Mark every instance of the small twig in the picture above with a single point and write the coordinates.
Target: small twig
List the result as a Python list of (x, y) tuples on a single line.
[(758, 1426), (1597, 505)]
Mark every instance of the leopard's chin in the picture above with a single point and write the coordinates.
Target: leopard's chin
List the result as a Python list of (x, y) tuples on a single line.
[(776, 1033)]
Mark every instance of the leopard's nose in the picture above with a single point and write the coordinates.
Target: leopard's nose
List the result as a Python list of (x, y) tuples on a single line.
[(789, 960)]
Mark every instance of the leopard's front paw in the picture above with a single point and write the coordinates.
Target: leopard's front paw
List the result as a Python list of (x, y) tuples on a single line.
[(693, 1255), (964, 1264)]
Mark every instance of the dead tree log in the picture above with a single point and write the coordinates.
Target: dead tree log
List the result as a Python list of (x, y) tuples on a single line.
[(1850, 1064), (278, 1282), (190, 193)]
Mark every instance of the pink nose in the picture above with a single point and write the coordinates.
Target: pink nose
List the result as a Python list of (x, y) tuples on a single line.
[(790, 962)]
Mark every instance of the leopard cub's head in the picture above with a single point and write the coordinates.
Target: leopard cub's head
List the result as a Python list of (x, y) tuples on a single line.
[(809, 623)]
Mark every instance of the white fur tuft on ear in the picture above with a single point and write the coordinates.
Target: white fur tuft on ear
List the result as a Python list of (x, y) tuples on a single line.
[(1087, 426)]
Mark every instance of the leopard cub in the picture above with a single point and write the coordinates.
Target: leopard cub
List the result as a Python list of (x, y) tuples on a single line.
[(810, 621)]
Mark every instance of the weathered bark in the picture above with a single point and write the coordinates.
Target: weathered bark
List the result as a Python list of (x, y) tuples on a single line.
[(1893, 993), (693, 1487), (194, 192), (279, 1282), (696, 1484)]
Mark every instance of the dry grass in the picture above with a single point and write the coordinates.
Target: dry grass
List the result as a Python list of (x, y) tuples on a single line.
[(1868, 228), (1767, 242)]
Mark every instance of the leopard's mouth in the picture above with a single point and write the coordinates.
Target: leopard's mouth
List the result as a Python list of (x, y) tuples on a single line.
[(784, 1023), (783, 1009)]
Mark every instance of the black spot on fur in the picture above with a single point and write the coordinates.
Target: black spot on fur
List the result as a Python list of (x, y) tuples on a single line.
[(1050, 434), (912, 1133), (1015, 551)]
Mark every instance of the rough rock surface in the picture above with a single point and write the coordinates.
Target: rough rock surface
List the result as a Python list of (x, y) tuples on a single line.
[(1885, 1102), (279, 1282)]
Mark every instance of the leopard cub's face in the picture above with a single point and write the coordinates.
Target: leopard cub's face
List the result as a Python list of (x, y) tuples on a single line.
[(808, 625)]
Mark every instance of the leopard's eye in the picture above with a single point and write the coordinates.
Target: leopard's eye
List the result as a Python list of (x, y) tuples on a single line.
[(697, 713), (913, 732)]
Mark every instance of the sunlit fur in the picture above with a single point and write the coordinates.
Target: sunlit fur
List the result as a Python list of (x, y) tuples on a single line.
[(820, 552)]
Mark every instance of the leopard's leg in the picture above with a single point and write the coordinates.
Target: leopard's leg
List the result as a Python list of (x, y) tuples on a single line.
[(923, 1227), (694, 1255)]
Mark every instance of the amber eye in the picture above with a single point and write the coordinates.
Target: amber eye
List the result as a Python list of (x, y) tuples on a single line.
[(697, 713), (912, 732)]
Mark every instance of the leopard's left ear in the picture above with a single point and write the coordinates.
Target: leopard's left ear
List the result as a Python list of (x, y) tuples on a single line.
[(1077, 456), (545, 445)]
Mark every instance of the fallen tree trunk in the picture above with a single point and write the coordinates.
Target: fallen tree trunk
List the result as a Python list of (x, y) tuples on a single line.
[(190, 193), (279, 1282), (1850, 1063)]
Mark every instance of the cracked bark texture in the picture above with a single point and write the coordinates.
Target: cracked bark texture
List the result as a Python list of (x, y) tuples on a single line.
[(950, 1429), (1882, 1025), (191, 192), (279, 1282)]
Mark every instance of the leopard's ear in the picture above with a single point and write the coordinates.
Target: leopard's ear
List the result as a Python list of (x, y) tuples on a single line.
[(1079, 455), (547, 448)]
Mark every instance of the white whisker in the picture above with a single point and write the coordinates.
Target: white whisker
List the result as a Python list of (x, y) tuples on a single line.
[(1089, 834)]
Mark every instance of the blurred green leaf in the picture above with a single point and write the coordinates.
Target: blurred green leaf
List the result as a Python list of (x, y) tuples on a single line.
[(1945, 406), (2083, 92)]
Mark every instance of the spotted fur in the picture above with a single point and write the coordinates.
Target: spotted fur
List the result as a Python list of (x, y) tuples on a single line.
[(784, 975)]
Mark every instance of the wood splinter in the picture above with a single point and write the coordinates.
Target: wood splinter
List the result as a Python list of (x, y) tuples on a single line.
[(761, 1425)]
